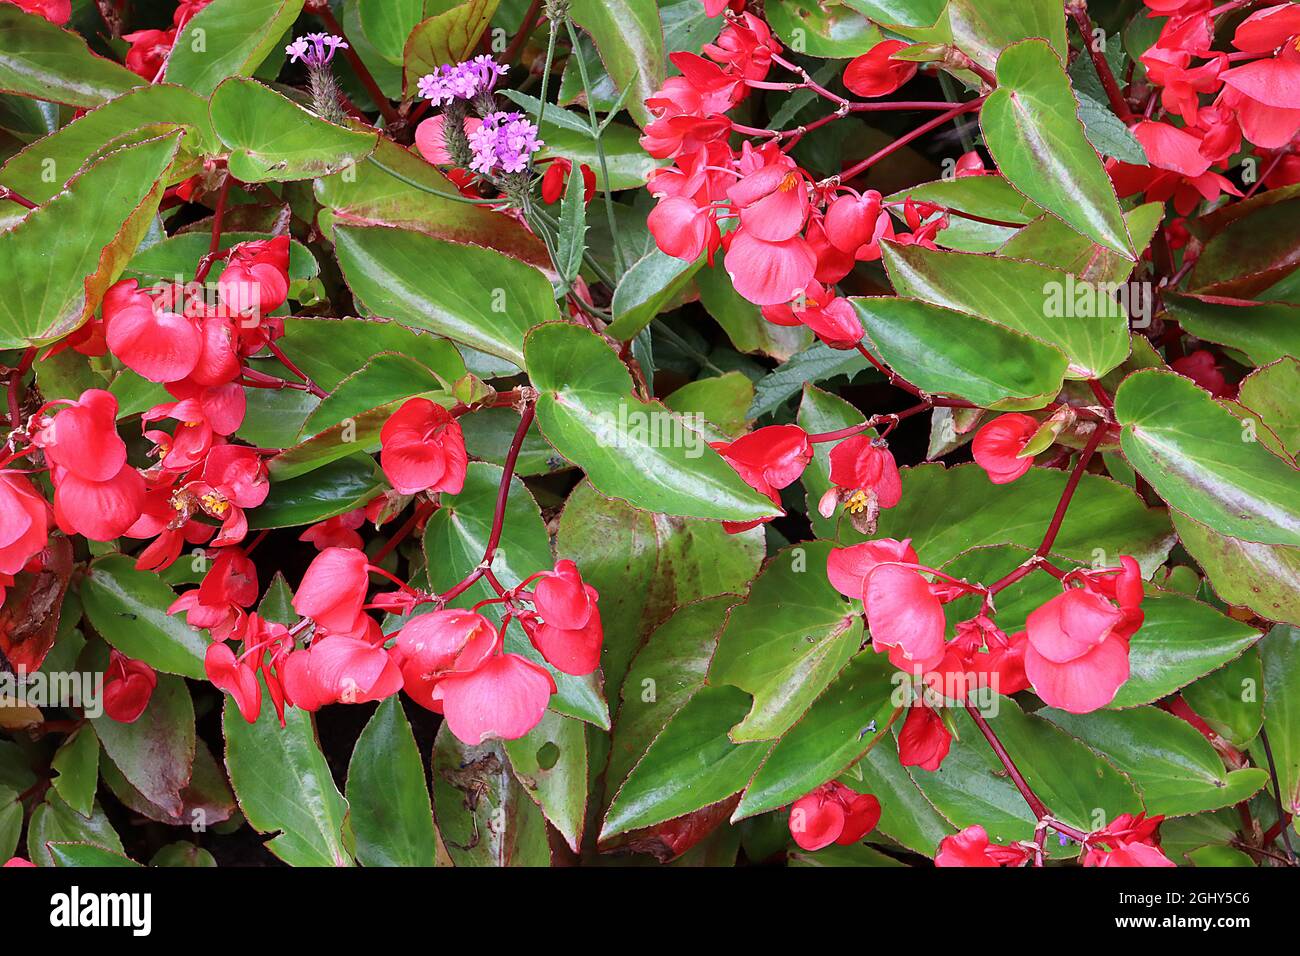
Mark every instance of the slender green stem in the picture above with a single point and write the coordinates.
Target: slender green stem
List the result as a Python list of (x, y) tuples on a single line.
[(587, 258), (546, 78), (414, 184), (600, 149)]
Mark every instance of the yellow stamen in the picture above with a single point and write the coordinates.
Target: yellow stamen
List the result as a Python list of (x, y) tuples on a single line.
[(214, 504)]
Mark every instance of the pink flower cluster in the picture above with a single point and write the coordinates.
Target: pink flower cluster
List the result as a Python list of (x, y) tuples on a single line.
[(787, 239), (450, 661), (1256, 97)]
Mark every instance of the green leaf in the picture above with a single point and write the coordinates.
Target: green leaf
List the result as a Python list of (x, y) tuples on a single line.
[(273, 139), (573, 231), (743, 321), (971, 787), (137, 115), (588, 413), (329, 350), (838, 729), (76, 764), (1081, 319), (990, 196), (330, 490), (628, 163), (484, 815), (1175, 769), (719, 404), (39, 60), (475, 296), (183, 854), (646, 565), (207, 798), (1273, 393), (787, 642), (666, 673), (1180, 836), (1255, 250), (692, 764), (273, 417), (821, 411), (818, 30), (396, 187), (1197, 456), (129, 610), (1230, 699), (941, 350), (905, 813), (455, 541), (984, 28), (388, 23), (1219, 856), (908, 13), (391, 813), (1265, 331), (946, 511), (1107, 132), (351, 417), (489, 431), (1180, 640), (1280, 653), (646, 288), (155, 753), (630, 38), (1052, 243), (559, 118), (1262, 577), (65, 254), (446, 38), (550, 763), (11, 821), (1032, 130), (229, 38), (284, 787), (816, 363), (855, 854), (87, 854), (55, 822), (177, 257)]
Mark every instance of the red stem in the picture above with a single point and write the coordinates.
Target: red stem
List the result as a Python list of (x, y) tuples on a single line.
[(499, 515), (1102, 395), (872, 422), (218, 220), (1079, 11), (422, 511), (1036, 806), (899, 382), (295, 370), (7, 193), (1049, 538), (906, 138), (15, 387)]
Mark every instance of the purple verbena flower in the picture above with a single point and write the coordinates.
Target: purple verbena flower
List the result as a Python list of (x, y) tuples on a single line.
[(504, 142), (463, 81), (315, 49)]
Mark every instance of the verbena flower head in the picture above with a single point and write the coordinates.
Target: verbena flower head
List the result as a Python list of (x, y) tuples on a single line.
[(315, 49), (463, 81), (503, 143)]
